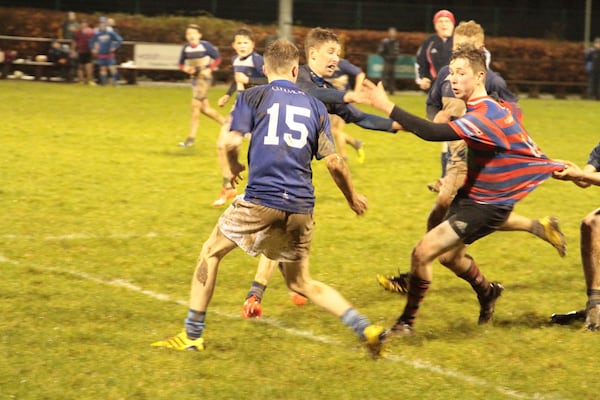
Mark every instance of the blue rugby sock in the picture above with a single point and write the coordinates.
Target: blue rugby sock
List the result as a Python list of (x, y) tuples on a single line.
[(194, 323), (356, 321)]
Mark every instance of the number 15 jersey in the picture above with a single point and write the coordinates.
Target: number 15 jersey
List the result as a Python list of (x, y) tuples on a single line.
[(289, 128)]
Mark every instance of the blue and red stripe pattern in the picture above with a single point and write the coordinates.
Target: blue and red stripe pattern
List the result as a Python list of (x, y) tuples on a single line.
[(504, 163)]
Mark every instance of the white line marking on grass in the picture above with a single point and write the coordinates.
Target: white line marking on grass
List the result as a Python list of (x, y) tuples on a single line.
[(85, 236), (416, 364)]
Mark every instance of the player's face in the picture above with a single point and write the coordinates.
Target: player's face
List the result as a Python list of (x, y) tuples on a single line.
[(193, 36), (444, 27), (463, 79), (242, 45), (324, 60)]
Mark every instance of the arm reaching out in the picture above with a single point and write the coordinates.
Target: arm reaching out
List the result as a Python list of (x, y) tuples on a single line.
[(581, 177), (426, 130), (341, 175)]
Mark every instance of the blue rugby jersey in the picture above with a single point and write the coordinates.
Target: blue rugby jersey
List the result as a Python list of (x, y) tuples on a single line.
[(341, 76), (594, 158), (108, 42), (504, 163), (334, 101), (203, 55), (252, 67), (289, 128), (433, 54)]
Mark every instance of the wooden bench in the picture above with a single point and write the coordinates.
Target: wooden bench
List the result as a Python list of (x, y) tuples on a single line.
[(559, 89), (38, 69)]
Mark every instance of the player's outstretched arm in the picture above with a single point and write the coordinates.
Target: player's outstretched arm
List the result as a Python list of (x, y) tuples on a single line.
[(341, 175), (426, 130), (581, 177)]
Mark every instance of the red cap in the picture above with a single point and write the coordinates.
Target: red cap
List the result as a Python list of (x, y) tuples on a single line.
[(443, 13)]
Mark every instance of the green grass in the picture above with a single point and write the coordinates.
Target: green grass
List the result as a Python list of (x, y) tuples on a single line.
[(102, 217)]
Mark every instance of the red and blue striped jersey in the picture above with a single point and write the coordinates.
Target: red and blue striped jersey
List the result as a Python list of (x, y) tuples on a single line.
[(504, 163)]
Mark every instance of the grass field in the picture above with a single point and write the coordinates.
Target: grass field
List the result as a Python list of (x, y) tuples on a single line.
[(102, 218)]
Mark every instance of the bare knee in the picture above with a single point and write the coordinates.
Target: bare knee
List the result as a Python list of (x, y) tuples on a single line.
[(447, 261), (590, 225), (419, 257), (443, 201)]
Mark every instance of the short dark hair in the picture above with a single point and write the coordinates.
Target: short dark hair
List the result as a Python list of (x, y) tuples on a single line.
[(194, 26), (244, 32)]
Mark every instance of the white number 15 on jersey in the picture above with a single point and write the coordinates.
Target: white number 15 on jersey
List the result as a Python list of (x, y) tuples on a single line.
[(297, 128)]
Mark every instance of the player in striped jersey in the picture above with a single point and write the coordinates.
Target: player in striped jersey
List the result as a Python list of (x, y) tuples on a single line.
[(504, 165), (247, 67), (198, 59), (441, 97)]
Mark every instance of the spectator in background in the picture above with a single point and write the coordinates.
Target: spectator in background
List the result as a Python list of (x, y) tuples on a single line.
[(80, 43), (112, 25), (389, 50), (435, 51), (434, 54), (103, 45), (59, 55), (69, 27), (592, 68)]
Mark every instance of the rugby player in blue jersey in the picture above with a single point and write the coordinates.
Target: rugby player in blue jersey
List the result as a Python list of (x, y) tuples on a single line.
[(198, 59), (247, 67), (590, 242), (344, 75), (504, 165), (275, 216), (322, 49)]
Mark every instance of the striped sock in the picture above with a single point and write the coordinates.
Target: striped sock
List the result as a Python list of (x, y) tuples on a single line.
[(417, 288), (194, 323), (356, 321), (476, 279), (593, 297), (257, 290)]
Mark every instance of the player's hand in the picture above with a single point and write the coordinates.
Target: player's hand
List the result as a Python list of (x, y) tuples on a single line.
[(236, 170), (443, 116), (425, 84), (189, 70), (378, 96), (223, 100), (357, 97), (206, 73), (358, 204), (571, 172), (240, 77)]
